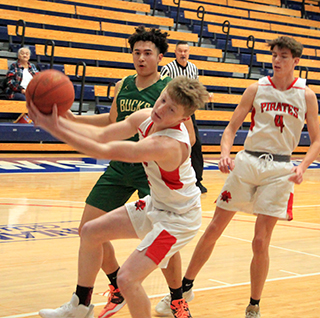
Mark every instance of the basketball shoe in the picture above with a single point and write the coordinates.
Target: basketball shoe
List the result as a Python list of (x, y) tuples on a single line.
[(70, 310), (163, 306), (253, 311), (180, 309), (114, 304)]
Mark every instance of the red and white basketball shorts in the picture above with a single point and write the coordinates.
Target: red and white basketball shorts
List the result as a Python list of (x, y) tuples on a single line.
[(163, 233)]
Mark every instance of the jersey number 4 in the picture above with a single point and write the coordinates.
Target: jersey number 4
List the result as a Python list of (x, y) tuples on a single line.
[(278, 121)]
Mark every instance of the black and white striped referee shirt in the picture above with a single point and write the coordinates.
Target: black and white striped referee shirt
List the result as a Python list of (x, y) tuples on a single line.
[(174, 69)]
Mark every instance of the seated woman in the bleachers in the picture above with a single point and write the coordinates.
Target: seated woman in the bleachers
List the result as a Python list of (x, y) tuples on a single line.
[(19, 75)]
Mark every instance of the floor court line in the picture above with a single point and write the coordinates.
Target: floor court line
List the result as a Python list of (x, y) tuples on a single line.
[(237, 218), (251, 217), (220, 282), (82, 202), (248, 218), (281, 270), (274, 246), (195, 290), (292, 224), (226, 285), (47, 200), (41, 205)]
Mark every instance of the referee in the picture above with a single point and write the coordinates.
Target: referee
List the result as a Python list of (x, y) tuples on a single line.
[(181, 67)]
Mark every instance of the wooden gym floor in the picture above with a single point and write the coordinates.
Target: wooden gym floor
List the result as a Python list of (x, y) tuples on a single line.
[(41, 204)]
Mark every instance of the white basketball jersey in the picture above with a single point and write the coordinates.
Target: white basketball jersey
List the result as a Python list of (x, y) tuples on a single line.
[(277, 117), (173, 191)]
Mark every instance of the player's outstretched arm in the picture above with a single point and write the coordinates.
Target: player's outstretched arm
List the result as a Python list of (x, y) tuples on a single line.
[(64, 130), (167, 152), (226, 163), (314, 134)]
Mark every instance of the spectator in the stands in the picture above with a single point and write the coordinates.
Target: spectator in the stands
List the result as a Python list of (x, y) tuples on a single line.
[(18, 77)]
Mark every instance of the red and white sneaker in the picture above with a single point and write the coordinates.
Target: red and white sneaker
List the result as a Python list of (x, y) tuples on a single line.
[(114, 304), (180, 308), (163, 306)]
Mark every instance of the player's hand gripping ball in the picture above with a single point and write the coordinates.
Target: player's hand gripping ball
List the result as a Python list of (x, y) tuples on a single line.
[(48, 88)]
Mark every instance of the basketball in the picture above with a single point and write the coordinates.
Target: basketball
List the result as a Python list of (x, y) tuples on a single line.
[(48, 88)]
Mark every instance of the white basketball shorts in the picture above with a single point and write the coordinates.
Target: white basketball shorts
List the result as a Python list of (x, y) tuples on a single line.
[(258, 186)]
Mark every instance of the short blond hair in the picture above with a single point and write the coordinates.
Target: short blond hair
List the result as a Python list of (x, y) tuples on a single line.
[(189, 93)]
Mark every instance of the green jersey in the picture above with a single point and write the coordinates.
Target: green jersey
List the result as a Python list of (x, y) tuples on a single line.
[(130, 99)]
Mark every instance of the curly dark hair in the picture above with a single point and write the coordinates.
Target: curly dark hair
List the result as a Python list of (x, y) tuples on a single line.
[(287, 42), (153, 35)]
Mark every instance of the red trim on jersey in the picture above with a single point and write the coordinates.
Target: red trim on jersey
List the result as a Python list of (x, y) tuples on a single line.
[(270, 80), (252, 118), (290, 86), (171, 179), (178, 127), (160, 246), (148, 129), (289, 207), (293, 83), (144, 135)]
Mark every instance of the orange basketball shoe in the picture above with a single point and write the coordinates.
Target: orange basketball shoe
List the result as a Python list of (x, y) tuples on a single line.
[(180, 309), (114, 304)]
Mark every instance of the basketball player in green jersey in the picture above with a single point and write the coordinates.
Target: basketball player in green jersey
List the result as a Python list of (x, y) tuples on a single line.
[(121, 180)]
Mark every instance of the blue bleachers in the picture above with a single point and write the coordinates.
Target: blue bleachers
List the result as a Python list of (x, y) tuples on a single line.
[(24, 133)]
